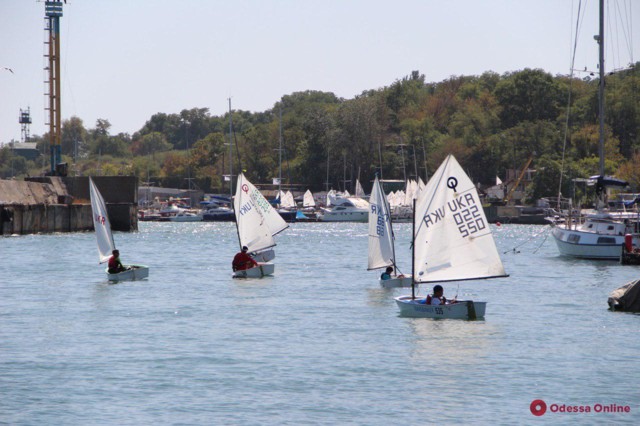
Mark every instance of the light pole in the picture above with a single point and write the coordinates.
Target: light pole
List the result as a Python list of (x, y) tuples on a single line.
[(424, 154), (415, 163), (404, 168)]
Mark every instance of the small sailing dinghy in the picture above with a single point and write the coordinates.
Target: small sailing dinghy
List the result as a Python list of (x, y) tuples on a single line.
[(256, 222), (381, 246), (104, 237), (451, 242)]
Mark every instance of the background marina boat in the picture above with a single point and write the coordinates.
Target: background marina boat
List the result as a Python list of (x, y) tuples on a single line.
[(345, 209), (382, 252), (452, 241), (104, 238), (187, 216), (217, 209), (599, 236)]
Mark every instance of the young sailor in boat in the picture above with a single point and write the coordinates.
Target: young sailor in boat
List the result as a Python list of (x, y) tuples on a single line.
[(115, 266), (242, 260), (386, 275), (437, 298)]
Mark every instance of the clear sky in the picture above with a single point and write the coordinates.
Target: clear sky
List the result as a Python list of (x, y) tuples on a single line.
[(125, 60)]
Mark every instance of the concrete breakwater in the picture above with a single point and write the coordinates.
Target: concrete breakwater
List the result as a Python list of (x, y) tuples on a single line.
[(62, 204)]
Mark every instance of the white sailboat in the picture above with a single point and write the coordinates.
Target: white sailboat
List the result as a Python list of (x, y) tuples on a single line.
[(381, 246), (451, 242), (307, 200), (105, 241), (601, 235), (257, 222)]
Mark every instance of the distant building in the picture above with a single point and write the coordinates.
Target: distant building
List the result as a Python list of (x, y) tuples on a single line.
[(28, 150)]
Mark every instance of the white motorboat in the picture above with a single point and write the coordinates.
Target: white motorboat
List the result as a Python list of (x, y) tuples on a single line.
[(186, 216), (600, 236), (104, 237), (382, 252), (452, 241), (345, 209)]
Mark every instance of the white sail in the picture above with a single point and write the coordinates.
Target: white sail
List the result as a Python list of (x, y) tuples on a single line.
[(308, 200), (381, 252), (452, 238), (288, 200), (101, 223), (359, 190), (250, 208), (281, 197)]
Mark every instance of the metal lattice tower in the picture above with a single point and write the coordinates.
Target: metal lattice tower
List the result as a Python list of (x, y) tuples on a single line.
[(25, 121), (53, 12)]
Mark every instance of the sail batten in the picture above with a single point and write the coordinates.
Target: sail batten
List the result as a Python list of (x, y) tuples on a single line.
[(381, 249), (453, 241)]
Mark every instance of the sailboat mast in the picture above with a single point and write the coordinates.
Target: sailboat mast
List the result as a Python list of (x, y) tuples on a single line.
[(413, 251), (280, 161), (230, 152), (231, 174), (393, 237), (233, 205), (600, 39)]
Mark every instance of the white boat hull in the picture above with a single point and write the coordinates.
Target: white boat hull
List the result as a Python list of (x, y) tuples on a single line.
[(133, 273), (263, 269), (396, 282), (186, 218), (463, 309), (344, 217), (587, 245)]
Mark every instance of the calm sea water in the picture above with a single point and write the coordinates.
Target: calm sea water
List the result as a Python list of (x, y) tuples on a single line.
[(318, 343)]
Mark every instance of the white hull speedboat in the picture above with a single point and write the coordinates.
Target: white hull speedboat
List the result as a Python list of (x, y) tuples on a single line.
[(186, 217), (262, 270), (349, 209), (396, 282), (598, 238), (133, 273), (343, 214), (463, 309)]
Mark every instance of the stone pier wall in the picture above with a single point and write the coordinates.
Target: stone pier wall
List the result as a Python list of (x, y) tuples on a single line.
[(53, 204)]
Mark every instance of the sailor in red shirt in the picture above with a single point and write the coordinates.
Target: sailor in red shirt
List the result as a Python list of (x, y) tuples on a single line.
[(243, 261), (115, 266)]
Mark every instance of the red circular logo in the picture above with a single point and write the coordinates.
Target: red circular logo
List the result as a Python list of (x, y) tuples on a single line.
[(538, 407), (245, 187)]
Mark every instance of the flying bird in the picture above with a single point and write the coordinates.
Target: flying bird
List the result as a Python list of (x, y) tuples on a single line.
[(8, 69)]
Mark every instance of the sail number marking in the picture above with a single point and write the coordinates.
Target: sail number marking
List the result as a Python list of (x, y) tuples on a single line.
[(382, 219), (469, 221), (466, 214)]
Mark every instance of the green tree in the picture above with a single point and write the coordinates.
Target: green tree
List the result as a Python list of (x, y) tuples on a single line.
[(74, 138), (151, 143), (528, 95)]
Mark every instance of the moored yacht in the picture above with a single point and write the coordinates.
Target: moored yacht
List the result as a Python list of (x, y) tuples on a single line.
[(346, 209), (599, 235)]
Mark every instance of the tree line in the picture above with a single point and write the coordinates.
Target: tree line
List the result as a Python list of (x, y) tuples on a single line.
[(490, 122)]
